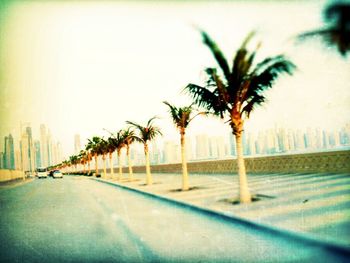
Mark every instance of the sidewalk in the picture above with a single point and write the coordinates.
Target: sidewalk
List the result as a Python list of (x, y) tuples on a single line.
[(316, 204), (14, 183)]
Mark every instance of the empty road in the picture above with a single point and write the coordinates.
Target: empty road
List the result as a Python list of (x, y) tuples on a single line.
[(76, 219)]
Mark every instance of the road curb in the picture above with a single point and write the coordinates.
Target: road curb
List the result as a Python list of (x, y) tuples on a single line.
[(305, 239)]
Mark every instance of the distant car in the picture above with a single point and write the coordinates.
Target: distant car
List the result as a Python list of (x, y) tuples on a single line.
[(41, 172), (57, 174)]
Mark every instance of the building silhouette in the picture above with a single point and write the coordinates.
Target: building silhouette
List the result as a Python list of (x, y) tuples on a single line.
[(9, 153), (202, 146), (27, 148), (37, 153), (77, 144), (44, 151)]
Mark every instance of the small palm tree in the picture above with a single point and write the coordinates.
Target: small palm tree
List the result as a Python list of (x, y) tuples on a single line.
[(181, 118), (146, 134), (238, 93), (129, 138)]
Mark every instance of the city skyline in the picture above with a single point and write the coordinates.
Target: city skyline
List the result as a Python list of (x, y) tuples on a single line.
[(28, 152), (74, 68)]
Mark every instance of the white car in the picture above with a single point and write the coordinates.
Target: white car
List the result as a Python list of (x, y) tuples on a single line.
[(57, 174), (41, 172)]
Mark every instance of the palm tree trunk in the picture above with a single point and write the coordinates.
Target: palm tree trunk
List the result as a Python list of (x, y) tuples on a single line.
[(96, 165), (89, 165), (111, 164), (131, 176), (244, 193), (120, 175), (185, 184), (104, 166), (149, 180)]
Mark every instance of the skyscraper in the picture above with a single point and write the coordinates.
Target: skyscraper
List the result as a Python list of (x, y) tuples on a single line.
[(171, 152), (77, 145), (2, 160), (9, 154), (37, 153), (43, 146), (232, 144), (25, 148), (202, 146), (49, 148)]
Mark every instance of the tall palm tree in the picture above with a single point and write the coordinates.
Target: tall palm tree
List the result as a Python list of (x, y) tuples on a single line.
[(74, 161), (93, 145), (103, 150), (82, 156), (181, 117), (111, 147), (337, 31), (146, 134), (129, 138), (88, 148), (119, 142), (237, 92)]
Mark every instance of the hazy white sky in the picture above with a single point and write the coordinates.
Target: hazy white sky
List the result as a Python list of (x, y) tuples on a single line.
[(81, 66)]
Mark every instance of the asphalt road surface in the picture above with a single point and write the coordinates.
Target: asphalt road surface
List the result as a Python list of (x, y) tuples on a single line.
[(76, 219)]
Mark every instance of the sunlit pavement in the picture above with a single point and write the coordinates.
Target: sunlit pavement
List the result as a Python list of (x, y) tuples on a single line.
[(76, 219), (317, 205)]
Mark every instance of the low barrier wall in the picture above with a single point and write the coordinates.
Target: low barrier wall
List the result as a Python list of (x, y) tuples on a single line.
[(322, 162), (8, 175)]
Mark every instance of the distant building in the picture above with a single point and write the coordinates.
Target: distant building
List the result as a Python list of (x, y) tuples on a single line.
[(171, 152), (2, 160), (202, 146), (37, 153), (49, 148), (216, 147), (155, 153), (18, 160), (25, 149), (77, 144), (9, 154), (232, 144), (43, 146)]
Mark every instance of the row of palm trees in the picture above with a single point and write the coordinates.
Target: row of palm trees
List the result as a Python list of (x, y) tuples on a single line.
[(98, 146), (232, 91)]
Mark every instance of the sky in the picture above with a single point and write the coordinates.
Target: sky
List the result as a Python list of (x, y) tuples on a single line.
[(84, 66)]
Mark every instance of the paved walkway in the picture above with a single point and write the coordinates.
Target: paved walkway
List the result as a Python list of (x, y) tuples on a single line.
[(316, 204)]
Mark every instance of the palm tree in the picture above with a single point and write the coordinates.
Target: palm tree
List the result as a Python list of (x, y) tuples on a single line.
[(119, 144), (93, 145), (146, 134), (129, 138), (74, 161), (111, 147), (82, 159), (337, 32), (103, 150), (181, 118), (88, 148), (238, 93)]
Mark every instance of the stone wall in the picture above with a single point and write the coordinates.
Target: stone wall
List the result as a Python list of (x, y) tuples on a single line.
[(8, 175), (323, 162)]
